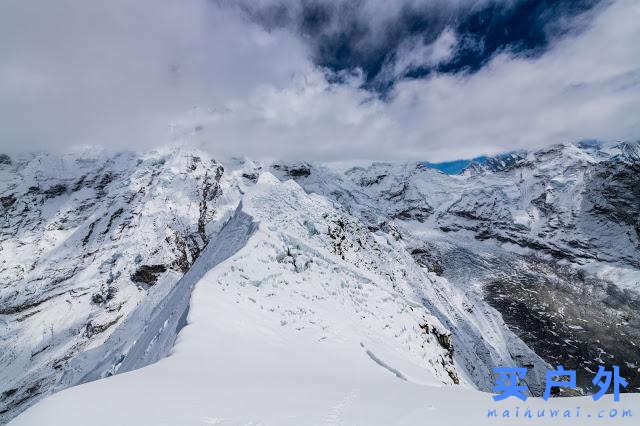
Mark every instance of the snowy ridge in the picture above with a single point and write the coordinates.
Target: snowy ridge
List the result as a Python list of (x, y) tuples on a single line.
[(337, 277), (86, 239), (146, 337), (305, 324), (569, 201), (531, 238)]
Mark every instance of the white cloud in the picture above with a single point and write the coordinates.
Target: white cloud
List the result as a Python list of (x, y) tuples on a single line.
[(126, 73), (414, 53), (118, 72)]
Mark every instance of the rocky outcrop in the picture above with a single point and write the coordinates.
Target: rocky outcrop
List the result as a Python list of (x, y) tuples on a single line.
[(148, 274), (84, 239), (89, 238), (612, 191), (529, 231)]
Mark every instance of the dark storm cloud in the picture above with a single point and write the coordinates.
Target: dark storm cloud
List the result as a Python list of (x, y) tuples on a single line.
[(526, 27), (365, 34)]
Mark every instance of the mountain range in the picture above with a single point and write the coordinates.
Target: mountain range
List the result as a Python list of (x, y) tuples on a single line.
[(273, 276)]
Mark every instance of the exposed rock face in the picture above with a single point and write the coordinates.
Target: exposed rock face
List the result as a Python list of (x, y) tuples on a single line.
[(546, 241), (55, 190), (148, 274), (74, 230), (428, 257), (499, 163), (613, 191), (550, 238), (294, 170), (570, 318)]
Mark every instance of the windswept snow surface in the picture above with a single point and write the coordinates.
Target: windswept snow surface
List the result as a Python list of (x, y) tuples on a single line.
[(375, 294), (294, 330), (150, 332), (549, 238), (86, 239)]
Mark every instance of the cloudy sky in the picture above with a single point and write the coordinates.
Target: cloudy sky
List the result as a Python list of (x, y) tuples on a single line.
[(319, 79)]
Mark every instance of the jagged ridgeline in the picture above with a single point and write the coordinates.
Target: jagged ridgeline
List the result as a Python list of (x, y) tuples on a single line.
[(526, 262), (86, 239)]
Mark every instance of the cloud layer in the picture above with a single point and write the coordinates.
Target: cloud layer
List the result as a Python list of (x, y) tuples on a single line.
[(139, 74), (120, 72)]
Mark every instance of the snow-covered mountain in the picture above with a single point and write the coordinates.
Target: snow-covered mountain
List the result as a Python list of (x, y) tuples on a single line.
[(550, 238), (394, 271)]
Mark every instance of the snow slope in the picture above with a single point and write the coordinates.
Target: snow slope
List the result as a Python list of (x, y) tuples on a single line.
[(149, 333), (328, 294), (549, 238), (292, 329), (87, 238)]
